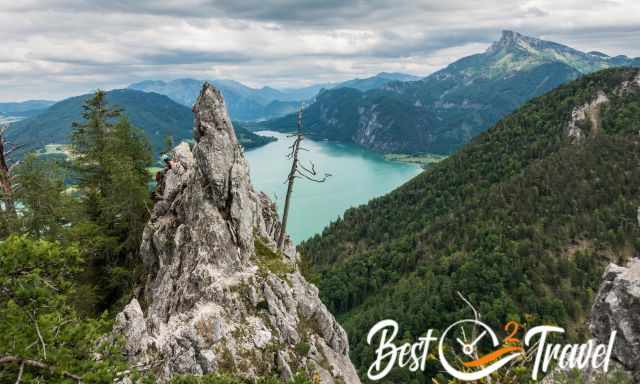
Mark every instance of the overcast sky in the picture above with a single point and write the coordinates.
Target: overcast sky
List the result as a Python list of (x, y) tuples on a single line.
[(52, 49)]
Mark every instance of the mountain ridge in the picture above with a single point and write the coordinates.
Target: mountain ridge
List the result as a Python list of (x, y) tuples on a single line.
[(444, 110), (251, 104), (24, 108)]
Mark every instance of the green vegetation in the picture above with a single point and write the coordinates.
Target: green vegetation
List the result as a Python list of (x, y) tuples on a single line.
[(40, 328), (425, 160), (111, 169), (226, 379), (302, 348), (66, 259), (521, 221), (157, 115), (248, 139), (269, 260)]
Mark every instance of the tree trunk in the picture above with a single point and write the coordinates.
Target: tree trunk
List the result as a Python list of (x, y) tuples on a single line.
[(5, 179), (290, 180)]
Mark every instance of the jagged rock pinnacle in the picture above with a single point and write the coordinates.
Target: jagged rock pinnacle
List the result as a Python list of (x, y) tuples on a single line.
[(217, 297)]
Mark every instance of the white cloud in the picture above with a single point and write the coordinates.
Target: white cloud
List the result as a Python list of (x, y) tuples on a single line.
[(59, 48)]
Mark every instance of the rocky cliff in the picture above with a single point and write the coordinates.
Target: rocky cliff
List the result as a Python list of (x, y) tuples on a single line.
[(617, 308), (217, 297)]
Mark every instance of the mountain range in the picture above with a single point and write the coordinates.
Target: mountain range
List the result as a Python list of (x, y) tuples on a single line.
[(243, 103), (521, 221), (157, 115), (441, 112), (24, 108), (249, 104)]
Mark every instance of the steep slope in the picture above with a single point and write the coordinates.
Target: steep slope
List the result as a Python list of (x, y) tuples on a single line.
[(217, 297), (156, 114), (521, 220), (446, 109)]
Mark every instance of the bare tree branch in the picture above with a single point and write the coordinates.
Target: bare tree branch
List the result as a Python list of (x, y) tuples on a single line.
[(311, 171), (20, 373), (298, 170), (37, 364), (34, 318), (311, 178)]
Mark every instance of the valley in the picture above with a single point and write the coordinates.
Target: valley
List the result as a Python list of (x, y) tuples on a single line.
[(359, 193)]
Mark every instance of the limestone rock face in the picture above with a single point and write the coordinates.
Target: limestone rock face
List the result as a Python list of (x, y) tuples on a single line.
[(216, 296), (617, 308)]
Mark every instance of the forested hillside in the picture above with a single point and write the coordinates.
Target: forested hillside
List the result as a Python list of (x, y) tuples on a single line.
[(25, 108), (157, 115), (521, 221)]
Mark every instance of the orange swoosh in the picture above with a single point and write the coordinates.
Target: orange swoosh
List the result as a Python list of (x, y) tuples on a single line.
[(486, 359)]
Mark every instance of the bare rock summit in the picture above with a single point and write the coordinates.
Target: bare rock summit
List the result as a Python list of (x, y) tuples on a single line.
[(218, 297)]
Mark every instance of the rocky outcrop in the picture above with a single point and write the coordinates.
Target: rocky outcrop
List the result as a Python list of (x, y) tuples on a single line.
[(585, 119), (217, 296), (617, 308)]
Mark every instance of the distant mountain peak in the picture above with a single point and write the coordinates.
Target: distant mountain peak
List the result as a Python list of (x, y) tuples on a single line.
[(515, 52), (509, 36), (507, 40), (511, 40)]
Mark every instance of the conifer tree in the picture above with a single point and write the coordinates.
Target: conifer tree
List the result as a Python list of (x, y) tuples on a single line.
[(46, 208), (110, 161)]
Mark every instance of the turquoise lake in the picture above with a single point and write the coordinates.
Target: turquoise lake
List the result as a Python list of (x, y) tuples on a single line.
[(358, 175)]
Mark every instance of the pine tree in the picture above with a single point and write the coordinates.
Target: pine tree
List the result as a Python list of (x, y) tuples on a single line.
[(89, 140), (126, 202), (46, 208), (110, 161)]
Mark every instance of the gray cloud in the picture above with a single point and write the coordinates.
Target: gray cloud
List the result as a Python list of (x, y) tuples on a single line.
[(58, 48)]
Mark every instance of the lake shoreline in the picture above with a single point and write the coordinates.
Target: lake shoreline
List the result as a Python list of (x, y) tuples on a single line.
[(358, 175)]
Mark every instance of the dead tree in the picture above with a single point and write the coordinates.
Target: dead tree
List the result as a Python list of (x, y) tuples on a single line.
[(6, 185), (297, 170)]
